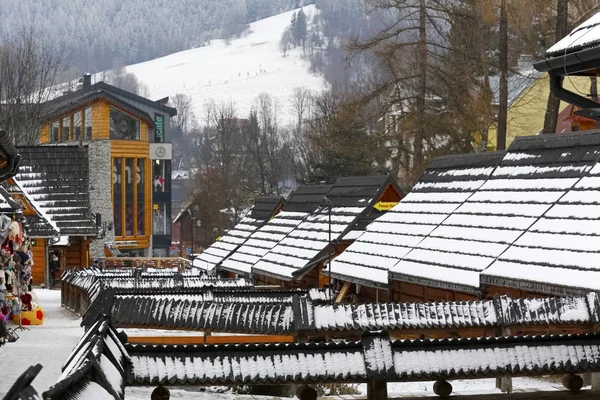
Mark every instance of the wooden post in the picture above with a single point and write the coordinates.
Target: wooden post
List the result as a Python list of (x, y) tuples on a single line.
[(343, 292), (504, 383), (377, 389)]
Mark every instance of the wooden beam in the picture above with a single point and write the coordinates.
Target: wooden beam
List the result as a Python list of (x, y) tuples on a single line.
[(528, 395), (343, 292), (233, 339)]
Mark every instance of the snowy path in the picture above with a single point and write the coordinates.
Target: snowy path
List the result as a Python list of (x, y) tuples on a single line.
[(48, 344)]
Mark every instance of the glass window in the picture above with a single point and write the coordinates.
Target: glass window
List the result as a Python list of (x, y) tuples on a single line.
[(88, 123), (117, 193), (66, 127), (123, 126), (53, 132), (77, 126), (161, 176), (140, 197), (162, 219), (129, 188)]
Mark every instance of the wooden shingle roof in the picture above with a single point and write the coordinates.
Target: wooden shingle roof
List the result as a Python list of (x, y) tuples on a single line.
[(264, 208), (444, 186), (56, 179), (303, 247), (526, 218), (304, 200)]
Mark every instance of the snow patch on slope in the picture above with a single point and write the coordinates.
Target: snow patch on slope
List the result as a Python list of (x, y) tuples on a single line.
[(236, 72)]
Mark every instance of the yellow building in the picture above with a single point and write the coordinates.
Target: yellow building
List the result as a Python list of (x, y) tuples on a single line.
[(527, 110)]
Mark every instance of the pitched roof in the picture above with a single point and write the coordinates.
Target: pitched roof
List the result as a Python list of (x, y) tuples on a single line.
[(584, 36), (556, 181), (578, 53), (264, 208), (302, 201), (56, 181), (351, 198), (39, 225), (95, 368), (527, 218), (444, 186), (111, 93), (292, 312), (374, 357)]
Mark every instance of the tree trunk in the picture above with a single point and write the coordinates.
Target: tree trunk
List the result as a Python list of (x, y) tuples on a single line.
[(553, 105), (421, 93), (503, 100)]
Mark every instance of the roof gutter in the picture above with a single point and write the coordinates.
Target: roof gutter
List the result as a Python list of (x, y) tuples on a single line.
[(571, 63), (556, 87)]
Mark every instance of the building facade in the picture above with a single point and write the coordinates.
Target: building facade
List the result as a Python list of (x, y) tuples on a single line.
[(128, 140)]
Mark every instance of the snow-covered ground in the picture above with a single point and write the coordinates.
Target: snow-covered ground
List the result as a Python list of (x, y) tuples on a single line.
[(237, 71), (48, 344), (51, 343)]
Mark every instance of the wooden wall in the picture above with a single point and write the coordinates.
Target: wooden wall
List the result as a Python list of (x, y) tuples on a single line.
[(411, 292), (38, 271)]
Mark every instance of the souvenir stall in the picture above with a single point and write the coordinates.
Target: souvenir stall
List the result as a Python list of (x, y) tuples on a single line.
[(18, 303)]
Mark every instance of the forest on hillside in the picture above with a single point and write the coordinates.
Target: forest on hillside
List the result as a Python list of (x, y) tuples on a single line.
[(103, 34)]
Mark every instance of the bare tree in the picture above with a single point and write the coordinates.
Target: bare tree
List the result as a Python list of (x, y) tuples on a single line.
[(503, 64), (29, 70), (551, 118)]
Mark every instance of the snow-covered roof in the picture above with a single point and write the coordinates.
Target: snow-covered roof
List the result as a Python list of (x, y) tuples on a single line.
[(584, 36), (374, 357), (263, 209), (307, 243), (446, 183), (288, 313), (526, 218), (95, 368), (55, 181), (304, 200)]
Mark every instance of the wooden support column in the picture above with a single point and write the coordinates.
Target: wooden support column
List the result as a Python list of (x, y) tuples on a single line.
[(377, 390), (343, 292), (84, 254), (504, 383)]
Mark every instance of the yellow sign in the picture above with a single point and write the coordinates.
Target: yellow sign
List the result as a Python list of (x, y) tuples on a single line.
[(385, 205)]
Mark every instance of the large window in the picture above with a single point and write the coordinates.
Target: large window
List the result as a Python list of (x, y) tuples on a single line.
[(123, 126), (140, 197), (66, 127), (77, 126), (161, 176), (54, 127), (162, 219), (88, 123), (129, 196)]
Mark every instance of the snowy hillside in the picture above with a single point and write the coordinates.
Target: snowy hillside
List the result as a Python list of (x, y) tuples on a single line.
[(239, 71)]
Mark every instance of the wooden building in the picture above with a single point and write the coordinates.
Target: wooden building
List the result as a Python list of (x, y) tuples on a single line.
[(131, 138), (55, 185), (521, 222)]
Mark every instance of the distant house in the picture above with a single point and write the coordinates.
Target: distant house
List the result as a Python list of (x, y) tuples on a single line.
[(528, 96)]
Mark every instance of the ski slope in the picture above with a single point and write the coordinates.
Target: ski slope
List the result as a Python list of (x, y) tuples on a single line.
[(237, 72)]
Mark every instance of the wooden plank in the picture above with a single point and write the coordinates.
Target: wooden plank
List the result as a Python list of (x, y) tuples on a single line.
[(233, 339), (529, 395)]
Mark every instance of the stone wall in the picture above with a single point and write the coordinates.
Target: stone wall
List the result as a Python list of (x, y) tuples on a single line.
[(100, 192)]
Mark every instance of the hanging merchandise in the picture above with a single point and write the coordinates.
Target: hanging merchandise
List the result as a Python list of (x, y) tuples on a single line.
[(4, 225)]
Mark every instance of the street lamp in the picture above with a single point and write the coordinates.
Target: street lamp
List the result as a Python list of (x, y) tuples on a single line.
[(329, 206)]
